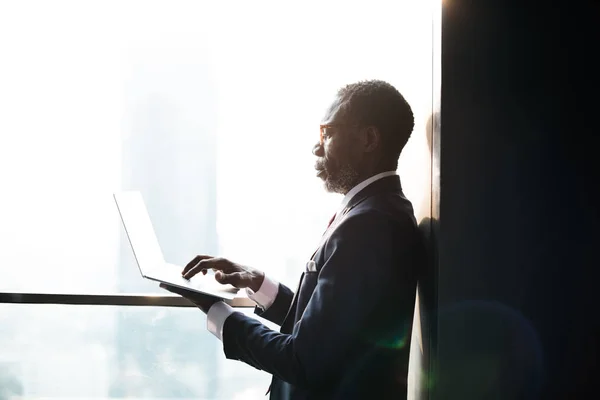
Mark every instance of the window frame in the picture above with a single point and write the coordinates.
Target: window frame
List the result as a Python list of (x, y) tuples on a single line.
[(110, 299)]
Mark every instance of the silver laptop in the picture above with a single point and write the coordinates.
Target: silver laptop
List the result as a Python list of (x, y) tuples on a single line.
[(148, 254)]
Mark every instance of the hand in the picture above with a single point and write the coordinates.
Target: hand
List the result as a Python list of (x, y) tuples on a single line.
[(202, 301), (227, 272)]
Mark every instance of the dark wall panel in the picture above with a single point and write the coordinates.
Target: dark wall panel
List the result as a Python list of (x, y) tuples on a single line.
[(518, 234)]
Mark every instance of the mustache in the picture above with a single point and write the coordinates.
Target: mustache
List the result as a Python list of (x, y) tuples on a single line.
[(321, 164)]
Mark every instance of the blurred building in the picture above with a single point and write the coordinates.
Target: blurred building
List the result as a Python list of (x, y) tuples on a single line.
[(169, 154)]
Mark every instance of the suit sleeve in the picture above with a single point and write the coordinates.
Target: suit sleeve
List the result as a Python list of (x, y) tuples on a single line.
[(278, 310), (363, 256)]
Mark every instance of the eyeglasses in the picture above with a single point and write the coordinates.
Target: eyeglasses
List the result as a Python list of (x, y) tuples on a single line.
[(327, 130)]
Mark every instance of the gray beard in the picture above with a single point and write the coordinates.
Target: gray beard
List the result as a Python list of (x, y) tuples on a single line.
[(345, 180)]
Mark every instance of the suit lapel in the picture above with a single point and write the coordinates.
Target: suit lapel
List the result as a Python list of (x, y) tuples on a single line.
[(387, 184)]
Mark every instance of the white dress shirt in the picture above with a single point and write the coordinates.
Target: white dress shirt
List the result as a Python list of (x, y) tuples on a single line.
[(218, 312)]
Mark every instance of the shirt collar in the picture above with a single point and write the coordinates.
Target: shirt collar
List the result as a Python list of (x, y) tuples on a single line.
[(361, 186)]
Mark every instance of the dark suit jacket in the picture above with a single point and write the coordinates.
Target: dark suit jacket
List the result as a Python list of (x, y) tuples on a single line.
[(345, 334)]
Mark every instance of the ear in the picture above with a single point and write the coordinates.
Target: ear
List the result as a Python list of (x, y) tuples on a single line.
[(372, 139)]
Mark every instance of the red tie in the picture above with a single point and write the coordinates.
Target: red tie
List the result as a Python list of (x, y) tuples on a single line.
[(331, 220)]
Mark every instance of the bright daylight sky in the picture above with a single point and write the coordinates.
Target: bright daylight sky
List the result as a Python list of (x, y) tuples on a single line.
[(66, 64)]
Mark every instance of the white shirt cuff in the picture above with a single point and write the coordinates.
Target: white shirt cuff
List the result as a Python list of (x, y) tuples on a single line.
[(266, 293), (216, 316)]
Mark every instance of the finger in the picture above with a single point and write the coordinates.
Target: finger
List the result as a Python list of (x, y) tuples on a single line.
[(194, 262), (231, 279), (202, 266), (219, 264)]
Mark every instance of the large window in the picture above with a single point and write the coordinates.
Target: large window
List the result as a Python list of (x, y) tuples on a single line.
[(211, 110), (91, 352)]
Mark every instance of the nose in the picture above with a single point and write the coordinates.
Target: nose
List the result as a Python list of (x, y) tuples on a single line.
[(318, 150)]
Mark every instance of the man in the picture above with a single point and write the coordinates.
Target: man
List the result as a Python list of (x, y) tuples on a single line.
[(345, 332)]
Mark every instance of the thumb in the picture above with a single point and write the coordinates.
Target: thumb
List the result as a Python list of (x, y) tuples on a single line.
[(225, 279)]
